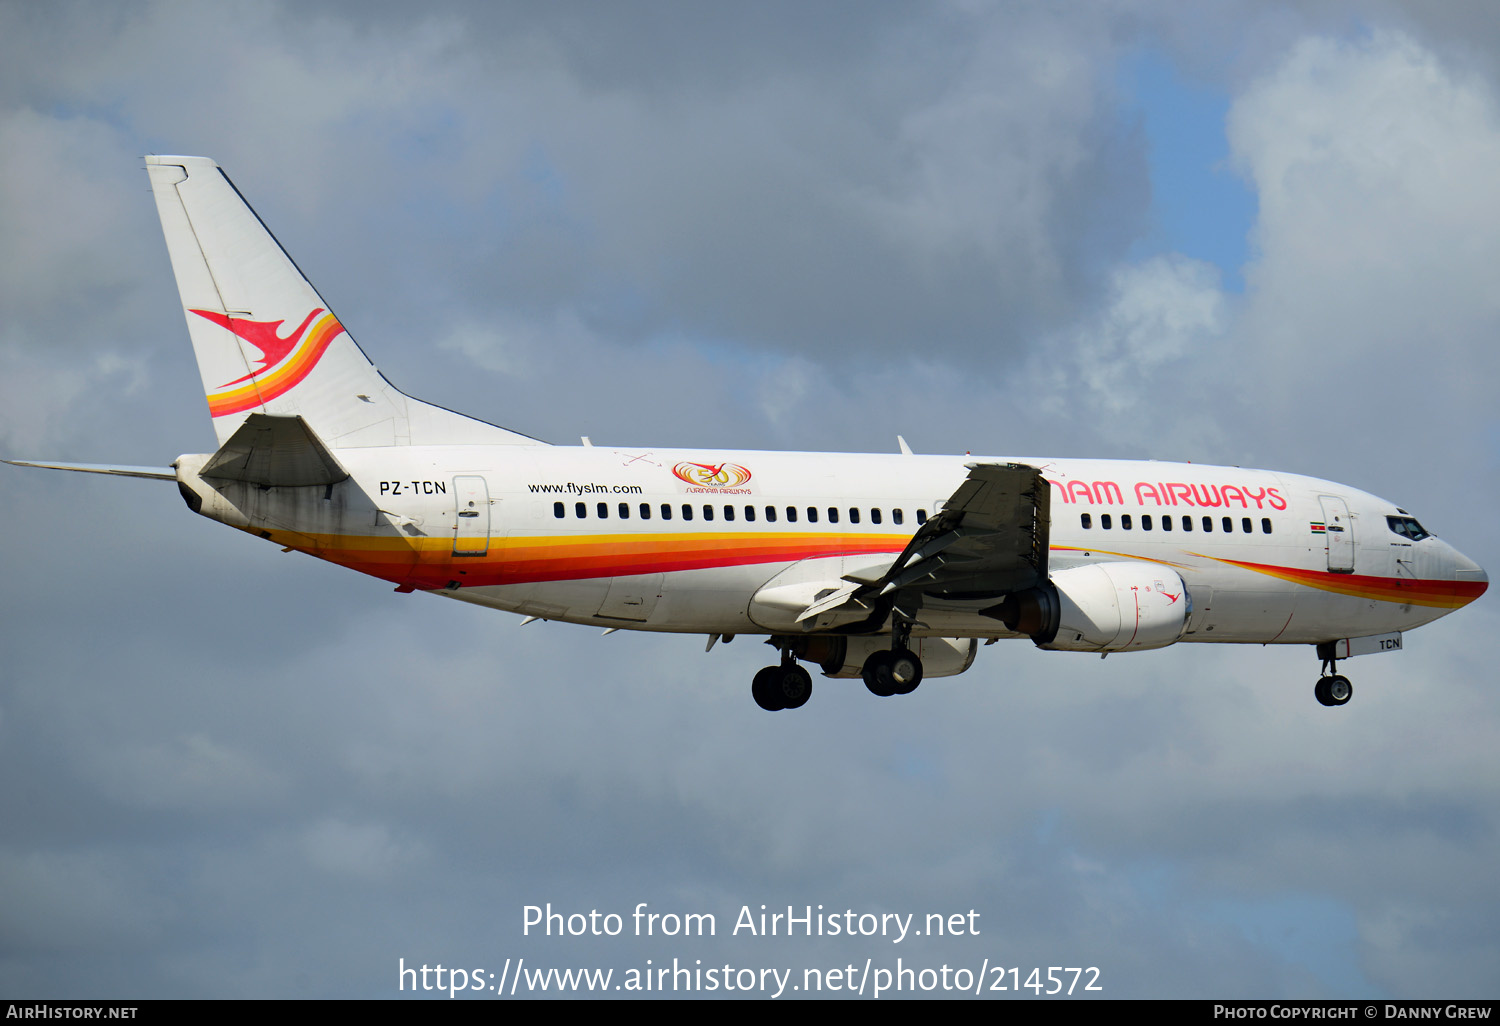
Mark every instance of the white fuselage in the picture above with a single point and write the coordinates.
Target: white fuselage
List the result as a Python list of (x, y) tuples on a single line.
[(684, 540)]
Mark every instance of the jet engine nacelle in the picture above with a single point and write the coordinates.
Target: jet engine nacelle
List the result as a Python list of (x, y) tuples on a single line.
[(843, 656), (1102, 607)]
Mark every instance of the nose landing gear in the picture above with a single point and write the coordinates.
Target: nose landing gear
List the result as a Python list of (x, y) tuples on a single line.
[(1333, 688)]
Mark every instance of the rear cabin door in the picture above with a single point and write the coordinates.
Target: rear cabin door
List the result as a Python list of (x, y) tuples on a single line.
[(1339, 531), (471, 528)]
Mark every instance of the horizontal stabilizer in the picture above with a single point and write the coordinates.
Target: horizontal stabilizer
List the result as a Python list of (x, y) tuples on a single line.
[(267, 450), (157, 473)]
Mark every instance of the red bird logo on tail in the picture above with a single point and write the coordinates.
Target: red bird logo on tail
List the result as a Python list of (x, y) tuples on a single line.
[(284, 362), (262, 335)]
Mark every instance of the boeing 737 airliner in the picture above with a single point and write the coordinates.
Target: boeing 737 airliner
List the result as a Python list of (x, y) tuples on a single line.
[(887, 567)]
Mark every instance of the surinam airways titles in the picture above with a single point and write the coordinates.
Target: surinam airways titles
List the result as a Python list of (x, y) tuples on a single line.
[(1169, 493)]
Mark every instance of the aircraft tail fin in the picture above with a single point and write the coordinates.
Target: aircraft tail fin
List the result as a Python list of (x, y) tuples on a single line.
[(266, 342)]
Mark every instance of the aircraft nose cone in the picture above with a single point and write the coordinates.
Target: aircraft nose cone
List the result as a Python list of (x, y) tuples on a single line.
[(1469, 578)]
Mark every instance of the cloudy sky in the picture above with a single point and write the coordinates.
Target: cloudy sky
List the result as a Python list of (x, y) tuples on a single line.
[(1260, 234)]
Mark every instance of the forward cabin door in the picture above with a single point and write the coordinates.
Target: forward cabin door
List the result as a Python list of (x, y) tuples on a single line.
[(471, 528), (1339, 531)]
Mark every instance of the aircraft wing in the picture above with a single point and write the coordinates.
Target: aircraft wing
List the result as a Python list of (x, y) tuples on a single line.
[(990, 539)]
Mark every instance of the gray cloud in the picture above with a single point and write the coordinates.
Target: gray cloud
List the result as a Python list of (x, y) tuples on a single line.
[(233, 772)]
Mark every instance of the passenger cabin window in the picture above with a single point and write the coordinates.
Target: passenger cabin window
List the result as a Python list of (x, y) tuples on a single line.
[(624, 511), (1407, 527), (1208, 524), (1245, 525), (708, 512), (580, 510), (1265, 525), (1166, 522), (1145, 521), (750, 513), (728, 512), (603, 510), (897, 517), (770, 514), (1125, 521), (921, 516), (791, 514), (1187, 522), (833, 514), (1228, 523), (854, 515), (1106, 521), (874, 516), (812, 514), (558, 510), (645, 511), (687, 511), (666, 511), (1087, 520)]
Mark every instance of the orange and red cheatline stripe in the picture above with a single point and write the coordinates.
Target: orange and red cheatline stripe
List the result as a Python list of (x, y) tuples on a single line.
[(1438, 594), (531, 560)]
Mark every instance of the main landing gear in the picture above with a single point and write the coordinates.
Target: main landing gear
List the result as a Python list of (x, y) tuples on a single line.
[(787, 686), (886, 671), (1333, 688), (896, 671)]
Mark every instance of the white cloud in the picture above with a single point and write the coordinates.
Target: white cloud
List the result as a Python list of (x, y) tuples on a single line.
[(1160, 314), (367, 851), (1378, 217)]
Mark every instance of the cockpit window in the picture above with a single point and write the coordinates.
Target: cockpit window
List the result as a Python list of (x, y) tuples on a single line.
[(1407, 527)]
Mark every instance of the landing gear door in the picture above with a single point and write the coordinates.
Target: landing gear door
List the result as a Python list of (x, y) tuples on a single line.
[(471, 528), (1339, 531)]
